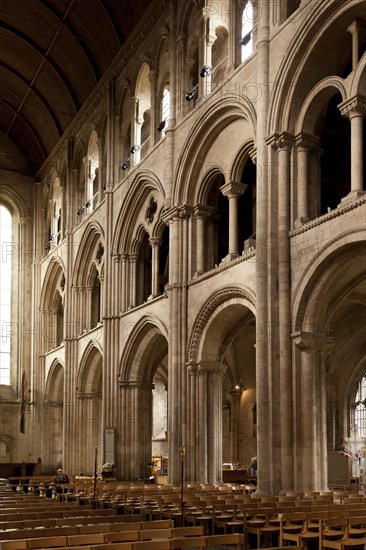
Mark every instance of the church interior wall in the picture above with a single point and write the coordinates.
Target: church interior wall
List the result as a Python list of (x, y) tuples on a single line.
[(195, 335)]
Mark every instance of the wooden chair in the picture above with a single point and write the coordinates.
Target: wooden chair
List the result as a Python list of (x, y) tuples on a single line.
[(149, 545), (335, 535), (48, 542), (88, 538), (19, 544), (357, 526), (292, 527)]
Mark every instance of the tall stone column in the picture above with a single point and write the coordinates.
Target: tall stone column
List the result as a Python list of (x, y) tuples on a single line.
[(234, 35), (133, 275), (101, 174), (235, 420), (284, 146), (355, 110), (155, 243), (193, 436), (181, 73), (201, 214), (304, 145), (209, 426), (135, 130), (308, 461), (264, 277), (354, 28), (232, 190), (155, 107)]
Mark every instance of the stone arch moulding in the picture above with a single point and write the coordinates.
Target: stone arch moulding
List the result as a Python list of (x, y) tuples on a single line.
[(88, 243), (13, 202), (318, 278), (290, 78), (53, 275), (54, 381), (161, 40), (144, 184), (221, 112), (87, 377), (226, 295), (358, 85), (133, 361), (315, 100)]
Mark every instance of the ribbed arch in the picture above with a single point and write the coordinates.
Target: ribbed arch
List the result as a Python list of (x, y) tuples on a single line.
[(162, 42), (146, 346), (89, 376), (87, 251), (315, 101), (292, 81), (145, 182), (205, 187), (359, 79), (51, 284), (203, 134), (313, 292), (54, 388), (226, 295)]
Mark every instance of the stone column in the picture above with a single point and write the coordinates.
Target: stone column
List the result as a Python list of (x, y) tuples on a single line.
[(155, 243), (201, 213), (308, 462), (101, 174), (304, 145), (354, 28), (181, 74), (154, 107), (210, 421), (355, 110), (232, 190), (135, 130), (234, 35), (193, 436), (235, 418), (133, 275), (205, 84)]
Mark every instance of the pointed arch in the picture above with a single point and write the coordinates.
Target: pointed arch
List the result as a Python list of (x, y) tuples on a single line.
[(54, 388), (93, 236), (89, 375), (148, 341)]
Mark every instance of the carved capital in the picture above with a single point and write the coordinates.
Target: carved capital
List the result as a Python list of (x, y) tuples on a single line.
[(353, 107), (306, 142), (233, 189)]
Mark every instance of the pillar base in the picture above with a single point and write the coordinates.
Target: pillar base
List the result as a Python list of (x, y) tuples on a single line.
[(352, 196)]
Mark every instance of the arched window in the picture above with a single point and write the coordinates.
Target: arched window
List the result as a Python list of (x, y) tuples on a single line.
[(165, 108), (247, 31), (5, 292), (360, 409), (92, 172)]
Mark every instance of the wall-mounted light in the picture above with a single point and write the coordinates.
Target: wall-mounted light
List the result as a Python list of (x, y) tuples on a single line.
[(205, 71), (88, 204), (191, 94), (161, 126), (125, 165), (48, 246), (134, 148), (81, 210), (237, 386), (246, 39)]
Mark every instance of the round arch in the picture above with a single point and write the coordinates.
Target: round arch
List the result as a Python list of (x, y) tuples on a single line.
[(210, 124)]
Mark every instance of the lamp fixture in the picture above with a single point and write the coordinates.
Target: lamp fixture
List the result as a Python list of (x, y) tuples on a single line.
[(191, 94), (81, 210), (88, 204), (48, 246), (161, 126), (205, 71), (125, 165), (134, 148), (246, 39)]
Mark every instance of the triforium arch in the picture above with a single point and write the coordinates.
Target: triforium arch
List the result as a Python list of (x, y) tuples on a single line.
[(221, 384), (87, 280), (140, 242), (145, 356), (52, 306), (88, 418), (52, 425), (328, 344)]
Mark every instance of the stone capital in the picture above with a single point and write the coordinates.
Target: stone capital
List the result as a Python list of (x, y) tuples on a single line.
[(354, 107), (208, 367), (202, 211), (155, 241), (355, 26), (306, 142), (233, 189)]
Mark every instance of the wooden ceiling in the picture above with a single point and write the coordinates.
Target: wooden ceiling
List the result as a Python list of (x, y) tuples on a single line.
[(52, 55)]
